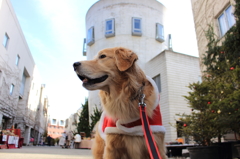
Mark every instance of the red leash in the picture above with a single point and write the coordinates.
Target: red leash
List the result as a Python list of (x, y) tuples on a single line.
[(151, 144)]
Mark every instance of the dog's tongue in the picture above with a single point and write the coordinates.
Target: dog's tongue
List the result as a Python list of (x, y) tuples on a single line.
[(85, 80)]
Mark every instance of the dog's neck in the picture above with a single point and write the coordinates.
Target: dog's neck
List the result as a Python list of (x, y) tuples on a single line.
[(121, 102), (139, 93)]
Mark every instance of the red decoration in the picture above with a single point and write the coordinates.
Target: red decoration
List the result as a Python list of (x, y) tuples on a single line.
[(184, 125), (222, 52), (208, 75), (208, 102), (212, 111), (232, 68)]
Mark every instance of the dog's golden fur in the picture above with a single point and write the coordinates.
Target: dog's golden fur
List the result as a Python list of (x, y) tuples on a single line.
[(119, 94)]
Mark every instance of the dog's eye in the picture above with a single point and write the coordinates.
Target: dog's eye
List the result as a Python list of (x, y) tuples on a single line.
[(102, 56)]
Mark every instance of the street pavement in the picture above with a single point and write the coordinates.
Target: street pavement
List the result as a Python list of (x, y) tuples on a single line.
[(45, 152)]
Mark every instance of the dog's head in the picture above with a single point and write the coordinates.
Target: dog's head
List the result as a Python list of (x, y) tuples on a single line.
[(106, 68)]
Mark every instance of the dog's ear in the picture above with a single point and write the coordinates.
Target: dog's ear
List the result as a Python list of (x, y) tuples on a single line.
[(124, 58)]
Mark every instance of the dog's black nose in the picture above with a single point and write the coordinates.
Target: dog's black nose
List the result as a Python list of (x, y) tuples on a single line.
[(75, 65)]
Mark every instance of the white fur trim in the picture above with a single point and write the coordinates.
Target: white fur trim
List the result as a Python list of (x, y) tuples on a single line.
[(134, 131), (155, 90)]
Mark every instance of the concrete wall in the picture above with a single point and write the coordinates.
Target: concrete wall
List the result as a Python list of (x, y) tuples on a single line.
[(10, 73), (206, 12), (177, 71), (18, 109)]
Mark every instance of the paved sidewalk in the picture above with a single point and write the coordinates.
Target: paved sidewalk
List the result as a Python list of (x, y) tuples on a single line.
[(45, 152)]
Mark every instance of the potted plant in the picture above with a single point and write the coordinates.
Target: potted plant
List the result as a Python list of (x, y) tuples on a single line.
[(202, 123)]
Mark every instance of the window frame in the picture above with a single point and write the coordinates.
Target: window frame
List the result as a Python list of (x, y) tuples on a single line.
[(159, 85), (91, 40), (11, 89), (5, 40), (226, 21), (134, 29), (23, 83), (84, 47), (55, 122), (17, 60), (61, 123), (107, 35), (159, 33)]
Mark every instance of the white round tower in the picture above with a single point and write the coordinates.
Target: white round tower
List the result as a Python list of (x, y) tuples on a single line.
[(135, 24)]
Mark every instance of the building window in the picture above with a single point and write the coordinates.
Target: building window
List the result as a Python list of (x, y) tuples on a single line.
[(61, 123), (226, 20), (17, 60), (84, 47), (110, 28), (23, 84), (200, 79), (90, 36), (11, 89), (137, 26), (159, 33), (157, 80), (5, 40), (54, 121)]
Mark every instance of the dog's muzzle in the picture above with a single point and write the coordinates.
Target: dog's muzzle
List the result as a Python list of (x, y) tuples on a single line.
[(75, 65)]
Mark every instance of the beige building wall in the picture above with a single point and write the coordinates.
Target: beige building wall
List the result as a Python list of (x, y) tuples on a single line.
[(176, 72), (21, 108), (206, 12)]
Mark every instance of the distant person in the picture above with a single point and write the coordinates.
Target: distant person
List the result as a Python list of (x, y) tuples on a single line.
[(57, 141), (49, 140), (41, 141), (44, 140), (70, 139), (77, 140), (62, 139)]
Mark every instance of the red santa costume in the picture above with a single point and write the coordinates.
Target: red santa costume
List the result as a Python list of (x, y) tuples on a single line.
[(133, 127)]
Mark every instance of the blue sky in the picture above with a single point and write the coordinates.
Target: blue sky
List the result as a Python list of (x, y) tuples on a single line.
[(54, 30)]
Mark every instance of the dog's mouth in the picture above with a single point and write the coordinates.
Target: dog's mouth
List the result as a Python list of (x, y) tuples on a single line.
[(88, 81)]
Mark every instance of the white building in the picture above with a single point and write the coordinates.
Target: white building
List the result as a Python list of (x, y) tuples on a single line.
[(23, 102), (140, 25), (72, 121)]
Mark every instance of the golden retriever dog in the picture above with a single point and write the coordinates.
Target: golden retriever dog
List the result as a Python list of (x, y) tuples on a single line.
[(121, 82)]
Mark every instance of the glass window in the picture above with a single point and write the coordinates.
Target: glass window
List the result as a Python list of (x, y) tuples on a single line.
[(61, 122), (159, 33), (23, 84), (17, 60), (90, 36), (11, 89), (222, 24), (54, 121), (110, 29), (230, 16), (136, 26), (5, 40), (226, 20), (84, 47), (157, 80)]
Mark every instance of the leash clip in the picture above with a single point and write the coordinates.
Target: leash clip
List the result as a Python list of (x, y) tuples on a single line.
[(141, 100)]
